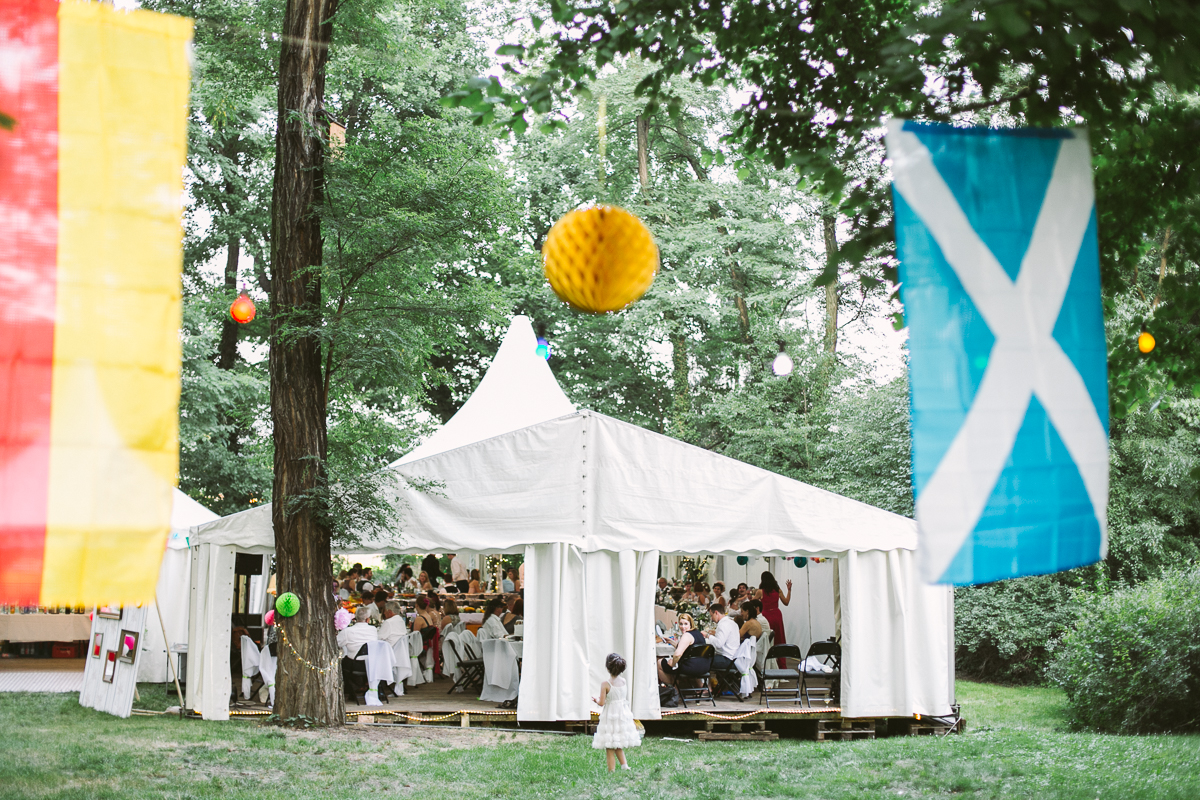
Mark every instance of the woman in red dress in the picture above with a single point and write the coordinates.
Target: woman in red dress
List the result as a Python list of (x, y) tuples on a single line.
[(770, 597)]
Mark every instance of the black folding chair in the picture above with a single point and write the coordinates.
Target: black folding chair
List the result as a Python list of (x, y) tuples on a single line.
[(780, 675), (354, 673), (470, 670), (697, 657), (829, 684)]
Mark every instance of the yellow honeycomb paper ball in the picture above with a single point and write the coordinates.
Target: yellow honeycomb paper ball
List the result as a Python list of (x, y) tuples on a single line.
[(1145, 342), (600, 259)]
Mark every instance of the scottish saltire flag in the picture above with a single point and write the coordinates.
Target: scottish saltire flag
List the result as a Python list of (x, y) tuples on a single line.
[(91, 187), (999, 270)]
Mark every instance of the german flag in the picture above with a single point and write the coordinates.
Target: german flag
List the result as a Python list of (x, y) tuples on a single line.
[(93, 132)]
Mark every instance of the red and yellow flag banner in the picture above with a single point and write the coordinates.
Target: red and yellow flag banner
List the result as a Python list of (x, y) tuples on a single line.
[(91, 195)]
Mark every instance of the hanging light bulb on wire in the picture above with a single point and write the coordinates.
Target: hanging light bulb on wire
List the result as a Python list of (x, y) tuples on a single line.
[(783, 364), (543, 348)]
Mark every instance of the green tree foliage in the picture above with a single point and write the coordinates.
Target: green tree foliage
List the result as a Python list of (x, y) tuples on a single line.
[(1132, 663)]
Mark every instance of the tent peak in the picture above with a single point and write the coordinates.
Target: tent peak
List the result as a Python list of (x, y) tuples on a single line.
[(518, 390)]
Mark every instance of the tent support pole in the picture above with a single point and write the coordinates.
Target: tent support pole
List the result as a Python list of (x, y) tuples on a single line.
[(170, 663)]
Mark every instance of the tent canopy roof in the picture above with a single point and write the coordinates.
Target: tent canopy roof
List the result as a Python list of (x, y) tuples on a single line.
[(519, 465)]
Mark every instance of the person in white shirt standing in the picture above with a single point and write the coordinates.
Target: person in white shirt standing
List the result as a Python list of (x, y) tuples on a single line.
[(726, 639), (393, 628), (459, 574), (355, 636)]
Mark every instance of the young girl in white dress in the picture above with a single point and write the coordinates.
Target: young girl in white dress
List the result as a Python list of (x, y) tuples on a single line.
[(616, 730)]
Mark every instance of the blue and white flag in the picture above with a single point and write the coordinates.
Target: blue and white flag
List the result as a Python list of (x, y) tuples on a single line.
[(1000, 278)]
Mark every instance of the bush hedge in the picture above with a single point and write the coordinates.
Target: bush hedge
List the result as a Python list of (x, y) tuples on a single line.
[(1132, 662), (1004, 631)]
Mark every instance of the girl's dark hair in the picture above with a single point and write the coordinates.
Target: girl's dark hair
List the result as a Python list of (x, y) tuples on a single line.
[(519, 608), (750, 609), (768, 583), (434, 600), (494, 605), (614, 664), (422, 602)]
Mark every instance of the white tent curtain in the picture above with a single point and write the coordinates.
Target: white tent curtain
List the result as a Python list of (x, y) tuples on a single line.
[(896, 641), (579, 607), (209, 631)]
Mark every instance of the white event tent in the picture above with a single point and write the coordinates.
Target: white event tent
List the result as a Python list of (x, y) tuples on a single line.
[(171, 595), (592, 501)]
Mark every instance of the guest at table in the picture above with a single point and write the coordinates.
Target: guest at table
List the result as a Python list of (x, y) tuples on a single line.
[(393, 628), (718, 590), (459, 574), (449, 613), (509, 584), (354, 636), (377, 602), (432, 567), (689, 596), (515, 614), (427, 624), (473, 587), (743, 590), (701, 596), (725, 639), (670, 668), (750, 624), (660, 592), (493, 622), (423, 581)]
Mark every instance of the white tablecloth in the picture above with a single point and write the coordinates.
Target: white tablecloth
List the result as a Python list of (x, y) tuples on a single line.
[(501, 677), (663, 649), (44, 627), (381, 665)]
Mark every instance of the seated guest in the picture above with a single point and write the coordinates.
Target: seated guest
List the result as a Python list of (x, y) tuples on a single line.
[(393, 629), (423, 582), (377, 601), (509, 584), (743, 590), (718, 590), (354, 636), (515, 614), (493, 623), (688, 595), (404, 580), (725, 640), (660, 592), (473, 587), (670, 668), (750, 624), (435, 605), (426, 620), (449, 613), (702, 597)]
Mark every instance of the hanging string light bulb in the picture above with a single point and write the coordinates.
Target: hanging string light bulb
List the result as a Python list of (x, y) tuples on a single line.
[(543, 348), (782, 365)]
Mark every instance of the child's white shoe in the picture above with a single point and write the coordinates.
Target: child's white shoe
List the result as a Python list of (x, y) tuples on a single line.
[(624, 766)]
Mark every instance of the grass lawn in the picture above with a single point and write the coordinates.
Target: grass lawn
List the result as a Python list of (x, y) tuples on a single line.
[(1016, 746)]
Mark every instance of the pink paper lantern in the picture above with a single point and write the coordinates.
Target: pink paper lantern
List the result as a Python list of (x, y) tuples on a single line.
[(269, 619), (341, 619)]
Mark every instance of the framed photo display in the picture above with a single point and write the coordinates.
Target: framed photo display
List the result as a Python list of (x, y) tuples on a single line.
[(129, 643), (97, 645), (109, 612), (110, 666)]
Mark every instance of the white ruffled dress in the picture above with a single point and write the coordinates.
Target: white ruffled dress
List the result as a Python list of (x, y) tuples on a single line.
[(616, 730)]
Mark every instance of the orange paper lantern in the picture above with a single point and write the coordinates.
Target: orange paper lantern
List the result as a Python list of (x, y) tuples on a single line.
[(242, 309), (1145, 342)]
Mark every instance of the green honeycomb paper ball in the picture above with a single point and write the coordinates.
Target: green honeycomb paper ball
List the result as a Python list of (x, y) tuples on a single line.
[(743, 560), (288, 604), (800, 561)]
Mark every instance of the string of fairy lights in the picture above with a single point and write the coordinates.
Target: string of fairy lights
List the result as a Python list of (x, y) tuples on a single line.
[(335, 661)]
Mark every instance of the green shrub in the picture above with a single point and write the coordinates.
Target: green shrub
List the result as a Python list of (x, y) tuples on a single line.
[(1003, 631), (1132, 663)]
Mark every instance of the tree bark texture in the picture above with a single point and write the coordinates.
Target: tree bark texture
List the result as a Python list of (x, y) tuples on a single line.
[(309, 679), (681, 400), (643, 151), (831, 288), (227, 349)]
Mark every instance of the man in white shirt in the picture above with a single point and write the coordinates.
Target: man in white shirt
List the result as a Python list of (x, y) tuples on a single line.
[(726, 639), (392, 629), (459, 574), (353, 637)]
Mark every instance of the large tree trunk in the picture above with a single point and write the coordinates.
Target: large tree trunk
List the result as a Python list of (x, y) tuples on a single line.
[(309, 677), (227, 349), (831, 288)]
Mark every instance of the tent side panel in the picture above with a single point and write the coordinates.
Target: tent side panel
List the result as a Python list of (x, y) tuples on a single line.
[(172, 599), (554, 679), (894, 644), (209, 682)]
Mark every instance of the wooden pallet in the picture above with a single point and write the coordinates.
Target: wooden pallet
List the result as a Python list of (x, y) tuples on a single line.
[(730, 736), (845, 730), (923, 728)]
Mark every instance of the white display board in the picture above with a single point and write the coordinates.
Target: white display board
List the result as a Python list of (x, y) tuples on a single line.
[(110, 671)]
